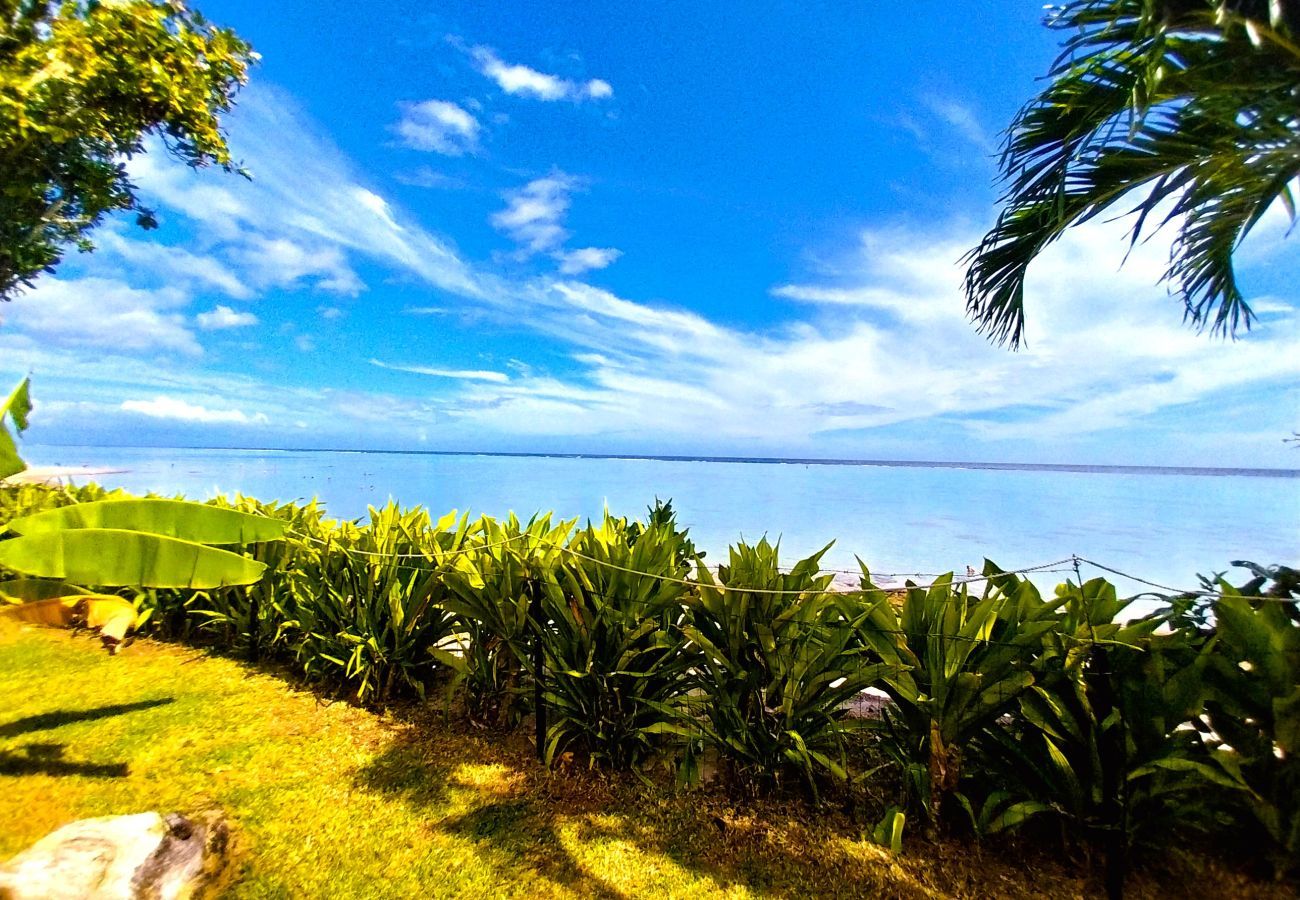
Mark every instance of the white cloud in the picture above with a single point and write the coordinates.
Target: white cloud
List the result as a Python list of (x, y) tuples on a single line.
[(460, 374), (224, 317), (176, 265), (575, 262), (102, 312), (533, 213), (163, 407), (439, 126), (303, 191), (330, 313), (534, 217), (523, 81), (286, 263)]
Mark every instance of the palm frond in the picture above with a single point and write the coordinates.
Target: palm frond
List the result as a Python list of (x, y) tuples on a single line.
[(1193, 107)]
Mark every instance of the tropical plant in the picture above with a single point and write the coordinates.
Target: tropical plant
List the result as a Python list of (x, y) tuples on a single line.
[(954, 664), (82, 85), (888, 832), (494, 588), (1254, 710), (612, 643), (369, 613), (1188, 109), (776, 662), (144, 543), (663, 514), (17, 407), (1108, 741), (255, 619)]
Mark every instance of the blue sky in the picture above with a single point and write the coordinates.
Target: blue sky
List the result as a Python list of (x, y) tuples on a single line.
[(634, 228)]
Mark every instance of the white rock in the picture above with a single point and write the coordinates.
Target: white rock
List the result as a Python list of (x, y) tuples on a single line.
[(117, 858)]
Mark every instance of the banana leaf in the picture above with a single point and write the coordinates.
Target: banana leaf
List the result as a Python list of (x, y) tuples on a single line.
[(178, 519), (17, 408), (29, 590), (110, 557), (112, 616)]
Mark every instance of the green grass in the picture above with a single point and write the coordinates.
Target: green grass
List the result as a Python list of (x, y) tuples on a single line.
[(328, 800)]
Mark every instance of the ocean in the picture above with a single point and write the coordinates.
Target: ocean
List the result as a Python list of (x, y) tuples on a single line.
[(900, 517)]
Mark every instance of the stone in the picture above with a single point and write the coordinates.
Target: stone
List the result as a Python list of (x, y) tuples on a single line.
[(120, 858)]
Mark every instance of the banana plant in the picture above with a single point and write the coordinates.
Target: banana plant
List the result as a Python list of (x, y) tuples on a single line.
[(611, 641), (149, 543), (776, 662), (962, 663), (17, 407)]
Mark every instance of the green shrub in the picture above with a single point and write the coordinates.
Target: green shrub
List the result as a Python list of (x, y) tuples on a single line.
[(366, 611), (775, 662), (955, 664), (612, 642), (1106, 740), (1253, 707), (492, 589)]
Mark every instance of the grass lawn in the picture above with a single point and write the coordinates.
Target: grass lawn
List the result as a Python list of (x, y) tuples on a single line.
[(328, 800)]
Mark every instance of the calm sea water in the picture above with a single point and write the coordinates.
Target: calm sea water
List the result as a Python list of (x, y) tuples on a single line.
[(1162, 525)]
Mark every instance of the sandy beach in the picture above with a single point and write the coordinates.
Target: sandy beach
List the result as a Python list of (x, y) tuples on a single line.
[(58, 474)]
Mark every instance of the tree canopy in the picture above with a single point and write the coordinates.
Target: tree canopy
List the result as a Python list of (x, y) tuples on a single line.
[(83, 83), (1189, 109)]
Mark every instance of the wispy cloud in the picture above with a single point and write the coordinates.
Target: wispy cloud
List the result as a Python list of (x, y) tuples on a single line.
[(303, 191), (534, 219), (163, 407), (102, 312), (961, 119), (520, 80), (222, 317), (533, 213), (459, 374), (575, 262), (438, 126)]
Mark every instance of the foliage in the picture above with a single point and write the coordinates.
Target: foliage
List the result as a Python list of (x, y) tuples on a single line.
[(955, 664), (1190, 106), (888, 832), (1254, 709), (373, 612), (1106, 742), (153, 545), (663, 514), (776, 662), (612, 643), (17, 407), (492, 589), (82, 85)]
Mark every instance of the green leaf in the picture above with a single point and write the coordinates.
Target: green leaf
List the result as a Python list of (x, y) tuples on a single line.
[(110, 557), (178, 519)]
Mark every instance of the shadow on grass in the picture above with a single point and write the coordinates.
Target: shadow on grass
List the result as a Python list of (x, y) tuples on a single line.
[(600, 833), (61, 717), (47, 759)]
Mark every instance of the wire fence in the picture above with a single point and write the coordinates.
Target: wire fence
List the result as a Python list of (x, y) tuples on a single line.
[(1069, 564)]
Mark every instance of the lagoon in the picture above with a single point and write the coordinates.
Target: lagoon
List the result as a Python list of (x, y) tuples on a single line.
[(1161, 525)]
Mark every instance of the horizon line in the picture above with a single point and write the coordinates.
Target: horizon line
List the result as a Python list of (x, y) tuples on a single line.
[(1080, 468)]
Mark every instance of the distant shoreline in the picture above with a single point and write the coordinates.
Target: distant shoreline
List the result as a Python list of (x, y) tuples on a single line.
[(1077, 468), (49, 474)]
